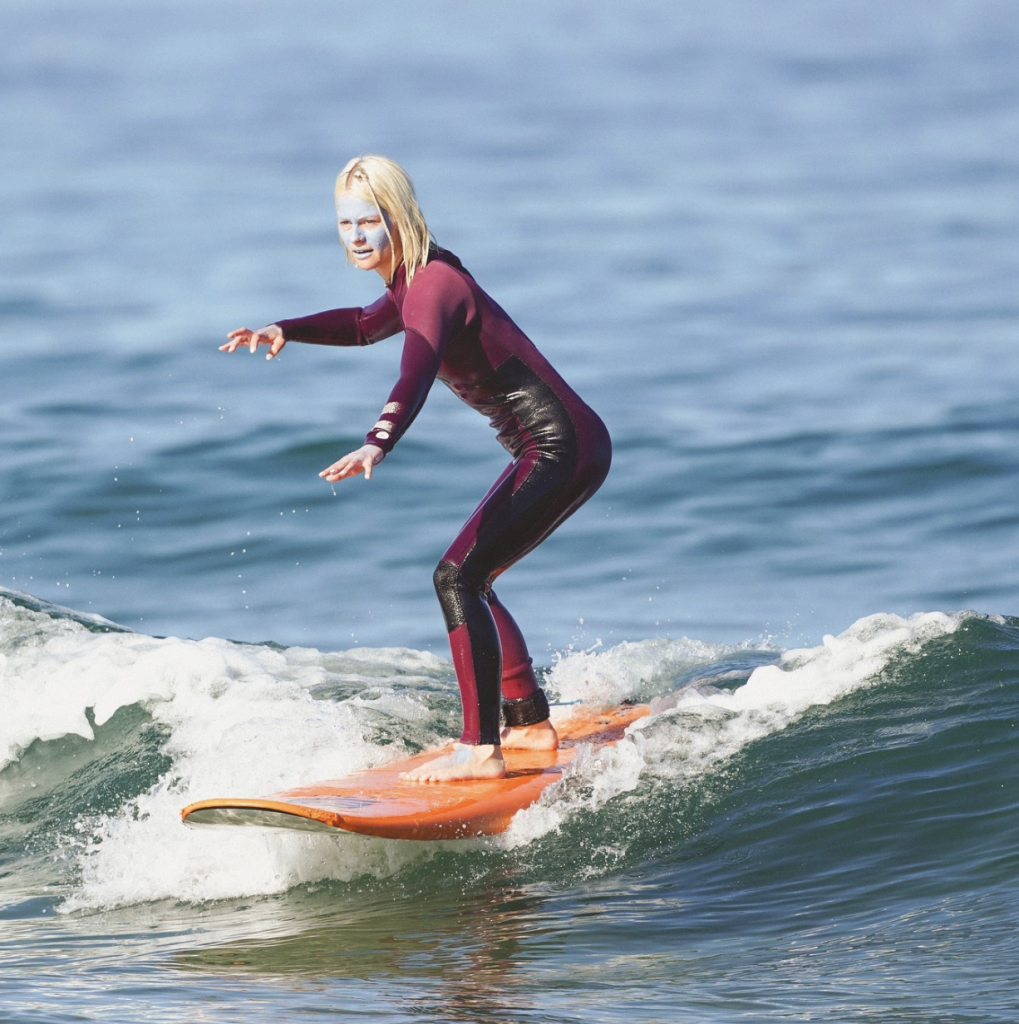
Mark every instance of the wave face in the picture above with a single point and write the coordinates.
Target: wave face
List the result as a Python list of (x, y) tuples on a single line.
[(848, 805)]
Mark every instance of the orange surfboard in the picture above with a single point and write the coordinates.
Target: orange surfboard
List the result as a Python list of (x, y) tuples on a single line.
[(377, 802)]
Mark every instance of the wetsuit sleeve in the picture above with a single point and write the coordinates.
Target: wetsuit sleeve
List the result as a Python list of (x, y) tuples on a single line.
[(436, 306), (418, 367), (353, 326)]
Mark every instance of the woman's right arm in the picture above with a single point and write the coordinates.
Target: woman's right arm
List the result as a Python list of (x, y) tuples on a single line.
[(354, 326)]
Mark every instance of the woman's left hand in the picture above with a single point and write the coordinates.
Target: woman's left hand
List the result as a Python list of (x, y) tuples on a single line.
[(364, 460)]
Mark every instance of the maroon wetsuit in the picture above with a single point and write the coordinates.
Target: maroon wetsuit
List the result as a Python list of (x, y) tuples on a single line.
[(560, 448)]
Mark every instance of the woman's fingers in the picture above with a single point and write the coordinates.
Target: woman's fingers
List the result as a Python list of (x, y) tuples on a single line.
[(338, 470), (276, 346), (271, 336), (363, 460), (237, 338)]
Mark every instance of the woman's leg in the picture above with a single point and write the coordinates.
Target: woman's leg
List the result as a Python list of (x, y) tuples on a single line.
[(530, 499), (518, 679), (485, 545)]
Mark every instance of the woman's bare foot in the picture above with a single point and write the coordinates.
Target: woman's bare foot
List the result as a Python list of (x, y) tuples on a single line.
[(540, 736), (465, 762)]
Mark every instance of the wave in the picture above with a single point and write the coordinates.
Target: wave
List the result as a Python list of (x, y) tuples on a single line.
[(751, 757)]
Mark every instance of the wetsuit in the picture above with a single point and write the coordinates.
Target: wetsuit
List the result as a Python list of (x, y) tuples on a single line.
[(561, 453)]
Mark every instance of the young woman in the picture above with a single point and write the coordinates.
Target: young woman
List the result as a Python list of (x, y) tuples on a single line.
[(560, 449)]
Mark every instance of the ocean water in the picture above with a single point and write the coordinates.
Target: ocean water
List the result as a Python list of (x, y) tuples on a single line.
[(775, 246)]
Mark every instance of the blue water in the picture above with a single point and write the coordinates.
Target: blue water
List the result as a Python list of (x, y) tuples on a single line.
[(775, 246)]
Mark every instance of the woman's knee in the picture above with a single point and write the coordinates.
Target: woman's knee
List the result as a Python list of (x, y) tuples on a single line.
[(456, 589)]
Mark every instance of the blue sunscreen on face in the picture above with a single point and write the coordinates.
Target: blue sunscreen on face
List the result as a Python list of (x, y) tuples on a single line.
[(362, 225)]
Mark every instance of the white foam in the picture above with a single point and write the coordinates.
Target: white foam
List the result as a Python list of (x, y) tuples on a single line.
[(631, 668), (700, 728), (244, 720)]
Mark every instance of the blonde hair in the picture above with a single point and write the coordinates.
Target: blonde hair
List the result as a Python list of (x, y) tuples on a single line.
[(379, 180)]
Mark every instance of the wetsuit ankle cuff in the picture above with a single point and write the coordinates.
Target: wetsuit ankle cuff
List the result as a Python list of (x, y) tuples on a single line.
[(526, 711)]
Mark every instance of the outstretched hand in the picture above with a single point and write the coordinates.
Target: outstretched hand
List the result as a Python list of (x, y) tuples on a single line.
[(271, 336), (364, 460)]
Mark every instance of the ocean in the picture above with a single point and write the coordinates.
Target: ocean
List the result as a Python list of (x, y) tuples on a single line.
[(775, 246)]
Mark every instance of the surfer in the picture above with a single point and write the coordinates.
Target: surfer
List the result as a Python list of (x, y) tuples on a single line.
[(560, 449)]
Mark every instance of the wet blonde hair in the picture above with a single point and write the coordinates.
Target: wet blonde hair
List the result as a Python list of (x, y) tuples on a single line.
[(379, 180)]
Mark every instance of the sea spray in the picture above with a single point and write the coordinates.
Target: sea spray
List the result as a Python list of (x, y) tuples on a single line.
[(643, 669), (254, 728), (693, 731), (239, 719)]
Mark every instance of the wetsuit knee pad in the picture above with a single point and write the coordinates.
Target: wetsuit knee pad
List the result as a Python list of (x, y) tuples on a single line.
[(526, 711), (447, 585), (458, 592)]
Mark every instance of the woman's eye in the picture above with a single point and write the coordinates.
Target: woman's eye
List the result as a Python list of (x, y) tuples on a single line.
[(345, 224)]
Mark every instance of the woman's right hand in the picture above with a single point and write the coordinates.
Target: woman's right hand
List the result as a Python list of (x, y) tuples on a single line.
[(364, 460), (271, 336)]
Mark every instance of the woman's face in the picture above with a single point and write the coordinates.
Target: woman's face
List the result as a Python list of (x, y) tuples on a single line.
[(363, 233)]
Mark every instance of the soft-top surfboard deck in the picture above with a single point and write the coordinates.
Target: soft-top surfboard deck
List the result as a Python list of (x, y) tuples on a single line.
[(377, 802)]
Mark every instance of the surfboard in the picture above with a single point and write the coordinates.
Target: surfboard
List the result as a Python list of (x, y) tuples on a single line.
[(377, 802)]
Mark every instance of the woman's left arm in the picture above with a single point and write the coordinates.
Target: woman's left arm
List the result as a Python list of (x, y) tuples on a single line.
[(418, 366), (434, 308)]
